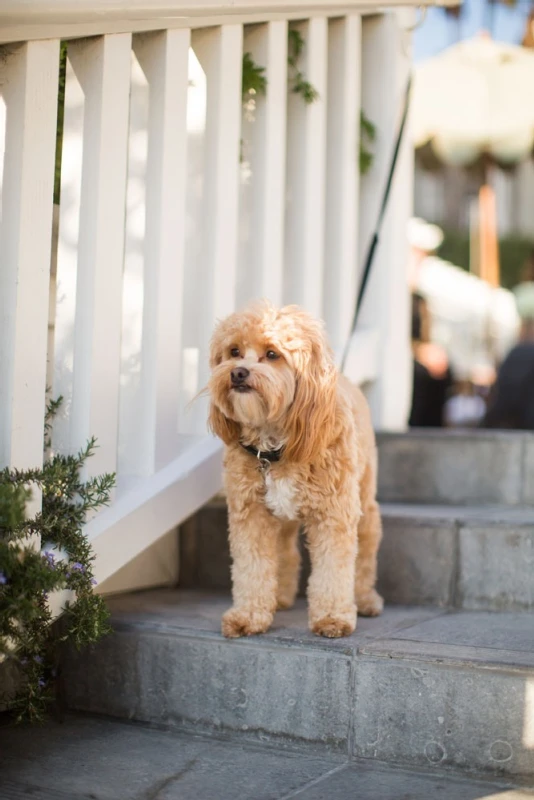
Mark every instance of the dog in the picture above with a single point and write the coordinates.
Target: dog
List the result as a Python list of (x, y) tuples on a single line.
[(300, 451)]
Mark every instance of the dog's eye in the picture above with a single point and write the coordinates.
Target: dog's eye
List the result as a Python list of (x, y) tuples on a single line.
[(234, 352), (271, 355)]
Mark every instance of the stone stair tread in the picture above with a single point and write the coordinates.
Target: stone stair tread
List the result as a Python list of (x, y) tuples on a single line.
[(193, 612), (108, 760), (484, 638), (516, 516)]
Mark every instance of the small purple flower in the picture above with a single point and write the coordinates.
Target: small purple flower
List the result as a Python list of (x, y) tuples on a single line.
[(42, 683), (38, 659), (78, 567), (93, 582), (3, 579), (50, 558)]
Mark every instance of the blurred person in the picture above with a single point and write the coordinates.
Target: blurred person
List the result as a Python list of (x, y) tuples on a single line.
[(524, 298), (466, 408), (431, 371), (511, 402)]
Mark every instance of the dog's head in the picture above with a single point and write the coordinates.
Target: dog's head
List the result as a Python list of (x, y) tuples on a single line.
[(273, 370)]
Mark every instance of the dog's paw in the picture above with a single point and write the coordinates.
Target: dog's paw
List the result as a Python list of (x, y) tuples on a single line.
[(242, 622), (334, 625), (370, 604)]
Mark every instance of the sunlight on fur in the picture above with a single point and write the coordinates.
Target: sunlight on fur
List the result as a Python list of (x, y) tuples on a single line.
[(274, 387)]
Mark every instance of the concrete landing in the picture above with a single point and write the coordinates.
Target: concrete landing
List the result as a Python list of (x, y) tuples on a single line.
[(96, 759)]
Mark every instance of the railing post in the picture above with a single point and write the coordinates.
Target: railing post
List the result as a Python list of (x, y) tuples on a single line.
[(385, 67), (212, 278), (306, 175), (150, 390), (261, 262), (29, 86), (91, 247), (342, 176)]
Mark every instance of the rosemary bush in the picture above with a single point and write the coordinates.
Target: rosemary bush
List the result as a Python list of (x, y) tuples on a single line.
[(65, 561)]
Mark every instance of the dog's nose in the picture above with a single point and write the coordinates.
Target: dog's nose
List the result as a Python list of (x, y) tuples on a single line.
[(239, 375)]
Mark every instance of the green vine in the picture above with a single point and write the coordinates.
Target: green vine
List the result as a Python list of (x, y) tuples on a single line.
[(60, 119), (299, 85), (28, 575), (367, 137), (253, 81)]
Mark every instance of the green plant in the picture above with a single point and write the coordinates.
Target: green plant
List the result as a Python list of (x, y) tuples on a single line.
[(253, 80), (28, 575), (60, 119), (299, 85), (367, 136)]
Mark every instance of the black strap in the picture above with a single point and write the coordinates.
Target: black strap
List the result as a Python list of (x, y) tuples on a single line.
[(263, 455), (374, 241)]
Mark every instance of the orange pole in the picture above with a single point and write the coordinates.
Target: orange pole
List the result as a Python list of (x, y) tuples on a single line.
[(489, 244)]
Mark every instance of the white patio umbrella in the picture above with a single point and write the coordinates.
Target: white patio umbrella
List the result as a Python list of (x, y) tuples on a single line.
[(476, 99), (475, 103)]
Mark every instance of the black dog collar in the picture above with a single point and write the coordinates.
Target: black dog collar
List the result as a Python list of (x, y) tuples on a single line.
[(263, 455)]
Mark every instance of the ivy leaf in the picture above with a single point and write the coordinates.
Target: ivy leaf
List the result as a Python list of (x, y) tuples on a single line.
[(367, 135), (295, 47), (253, 79)]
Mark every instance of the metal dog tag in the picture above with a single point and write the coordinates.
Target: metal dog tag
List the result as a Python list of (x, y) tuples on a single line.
[(264, 465)]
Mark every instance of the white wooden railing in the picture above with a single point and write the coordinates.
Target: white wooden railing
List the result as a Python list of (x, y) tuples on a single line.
[(162, 227)]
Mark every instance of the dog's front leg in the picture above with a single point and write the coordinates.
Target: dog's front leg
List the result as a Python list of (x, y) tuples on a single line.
[(254, 536), (333, 546)]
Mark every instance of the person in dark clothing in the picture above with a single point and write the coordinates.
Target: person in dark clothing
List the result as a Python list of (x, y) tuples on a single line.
[(511, 403), (431, 374)]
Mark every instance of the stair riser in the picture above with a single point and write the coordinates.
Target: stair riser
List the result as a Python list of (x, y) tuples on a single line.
[(467, 468), (426, 714), (212, 685), (469, 565), (402, 711)]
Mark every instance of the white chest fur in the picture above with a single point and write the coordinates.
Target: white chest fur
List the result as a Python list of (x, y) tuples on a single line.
[(280, 497)]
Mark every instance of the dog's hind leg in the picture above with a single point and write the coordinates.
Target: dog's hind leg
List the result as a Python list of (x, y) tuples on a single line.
[(288, 565), (368, 601)]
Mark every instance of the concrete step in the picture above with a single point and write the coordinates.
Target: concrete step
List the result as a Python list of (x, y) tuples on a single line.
[(417, 687), (463, 557), (458, 467), (107, 760)]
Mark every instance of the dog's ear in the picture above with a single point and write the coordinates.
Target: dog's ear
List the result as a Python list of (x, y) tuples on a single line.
[(226, 429), (311, 417)]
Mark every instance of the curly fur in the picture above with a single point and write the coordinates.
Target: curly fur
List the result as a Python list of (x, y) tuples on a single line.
[(325, 480)]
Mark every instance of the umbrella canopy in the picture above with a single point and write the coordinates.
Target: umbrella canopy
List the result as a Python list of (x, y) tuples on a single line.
[(476, 99)]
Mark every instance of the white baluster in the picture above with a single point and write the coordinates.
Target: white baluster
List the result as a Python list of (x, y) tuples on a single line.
[(342, 181), (29, 86), (92, 246), (385, 65), (219, 51), (306, 184), (151, 438), (263, 186)]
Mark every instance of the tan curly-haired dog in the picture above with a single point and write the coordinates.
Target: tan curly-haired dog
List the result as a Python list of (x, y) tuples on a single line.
[(300, 450)]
